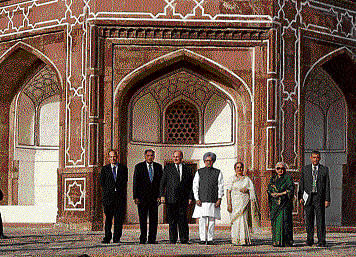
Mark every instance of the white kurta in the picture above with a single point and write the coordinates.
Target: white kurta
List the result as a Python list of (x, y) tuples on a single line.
[(207, 209)]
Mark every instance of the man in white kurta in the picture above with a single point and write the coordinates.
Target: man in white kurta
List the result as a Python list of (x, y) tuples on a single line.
[(208, 189)]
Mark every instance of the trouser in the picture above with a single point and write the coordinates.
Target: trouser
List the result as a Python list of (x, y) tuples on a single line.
[(177, 218), (315, 209), (150, 210), (116, 211), (203, 232)]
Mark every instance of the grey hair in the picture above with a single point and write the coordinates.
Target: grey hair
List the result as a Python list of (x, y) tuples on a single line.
[(209, 154), (284, 165)]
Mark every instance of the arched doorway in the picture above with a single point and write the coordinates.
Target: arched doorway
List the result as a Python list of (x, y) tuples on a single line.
[(187, 106), (329, 114), (32, 135)]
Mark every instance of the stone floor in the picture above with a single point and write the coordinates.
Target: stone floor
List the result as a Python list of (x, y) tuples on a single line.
[(51, 241)]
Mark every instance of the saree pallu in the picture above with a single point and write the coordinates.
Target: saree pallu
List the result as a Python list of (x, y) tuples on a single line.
[(281, 210), (244, 214)]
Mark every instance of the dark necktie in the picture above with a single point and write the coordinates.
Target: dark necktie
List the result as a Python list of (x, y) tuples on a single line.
[(114, 172), (177, 166), (150, 172), (315, 176)]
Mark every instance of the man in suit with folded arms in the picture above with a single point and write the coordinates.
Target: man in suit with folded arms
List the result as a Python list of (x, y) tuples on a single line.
[(177, 194), (113, 180), (314, 193), (146, 181)]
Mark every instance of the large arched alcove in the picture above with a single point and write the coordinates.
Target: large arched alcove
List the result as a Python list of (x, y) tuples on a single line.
[(329, 119), (219, 102), (30, 133)]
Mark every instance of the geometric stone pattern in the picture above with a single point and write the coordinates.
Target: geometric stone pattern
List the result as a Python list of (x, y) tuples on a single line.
[(74, 193), (182, 123), (42, 86), (321, 90), (180, 83)]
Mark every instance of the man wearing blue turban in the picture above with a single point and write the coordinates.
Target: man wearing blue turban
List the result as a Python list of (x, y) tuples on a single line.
[(208, 189)]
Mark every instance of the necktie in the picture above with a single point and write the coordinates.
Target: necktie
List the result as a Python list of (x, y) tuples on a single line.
[(114, 172), (315, 175), (150, 172)]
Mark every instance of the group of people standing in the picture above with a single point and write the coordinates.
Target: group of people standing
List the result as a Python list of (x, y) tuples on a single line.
[(177, 187), (313, 193)]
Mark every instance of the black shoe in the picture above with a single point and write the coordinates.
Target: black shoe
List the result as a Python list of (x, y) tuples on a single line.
[(172, 242), (3, 237), (210, 242), (142, 242), (116, 241), (309, 243), (185, 242), (202, 242), (322, 244), (152, 242), (105, 241)]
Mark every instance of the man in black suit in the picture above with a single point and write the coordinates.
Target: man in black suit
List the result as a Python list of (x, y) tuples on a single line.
[(146, 181), (176, 192), (113, 180), (314, 192)]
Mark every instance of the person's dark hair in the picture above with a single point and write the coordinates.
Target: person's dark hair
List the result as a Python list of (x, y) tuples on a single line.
[(179, 151), (149, 150), (242, 165), (315, 152)]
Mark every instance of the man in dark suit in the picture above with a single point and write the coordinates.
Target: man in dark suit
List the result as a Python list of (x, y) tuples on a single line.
[(146, 181), (314, 192), (177, 194), (113, 180)]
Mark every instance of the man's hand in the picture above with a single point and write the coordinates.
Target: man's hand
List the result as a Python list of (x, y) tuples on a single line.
[(301, 201), (198, 202), (158, 201), (137, 201), (274, 195), (217, 204), (190, 201), (327, 204), (163, 200), (229, 207)]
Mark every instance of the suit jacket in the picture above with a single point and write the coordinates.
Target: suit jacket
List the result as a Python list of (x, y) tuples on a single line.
[(322, 182), (172, 188), (108, 184), (143, 189)]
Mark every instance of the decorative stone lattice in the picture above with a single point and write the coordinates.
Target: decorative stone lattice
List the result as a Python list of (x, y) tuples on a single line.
[(182, 123)]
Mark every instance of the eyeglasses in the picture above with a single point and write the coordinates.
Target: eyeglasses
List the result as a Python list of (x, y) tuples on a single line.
[(280, 168)]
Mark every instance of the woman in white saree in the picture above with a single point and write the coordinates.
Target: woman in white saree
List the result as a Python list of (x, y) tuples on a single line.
[(242, 205)]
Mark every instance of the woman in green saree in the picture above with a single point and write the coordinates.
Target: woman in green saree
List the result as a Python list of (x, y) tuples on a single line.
[(280, 198)]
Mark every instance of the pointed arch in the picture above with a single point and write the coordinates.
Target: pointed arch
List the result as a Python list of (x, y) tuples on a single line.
[(218, 71), (37, 59), (212, 71), (328, 57)]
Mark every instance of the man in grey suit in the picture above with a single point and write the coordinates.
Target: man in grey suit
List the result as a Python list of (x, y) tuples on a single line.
[(176, 193), (314, 193)]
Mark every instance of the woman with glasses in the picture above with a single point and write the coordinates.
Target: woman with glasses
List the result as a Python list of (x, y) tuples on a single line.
[(242, 205), (280, 198)]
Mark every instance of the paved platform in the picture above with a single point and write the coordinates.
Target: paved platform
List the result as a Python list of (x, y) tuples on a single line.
[(52, 241)]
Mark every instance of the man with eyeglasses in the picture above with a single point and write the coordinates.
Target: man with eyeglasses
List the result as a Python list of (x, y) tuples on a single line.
[(314, 193), (208, 189)]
